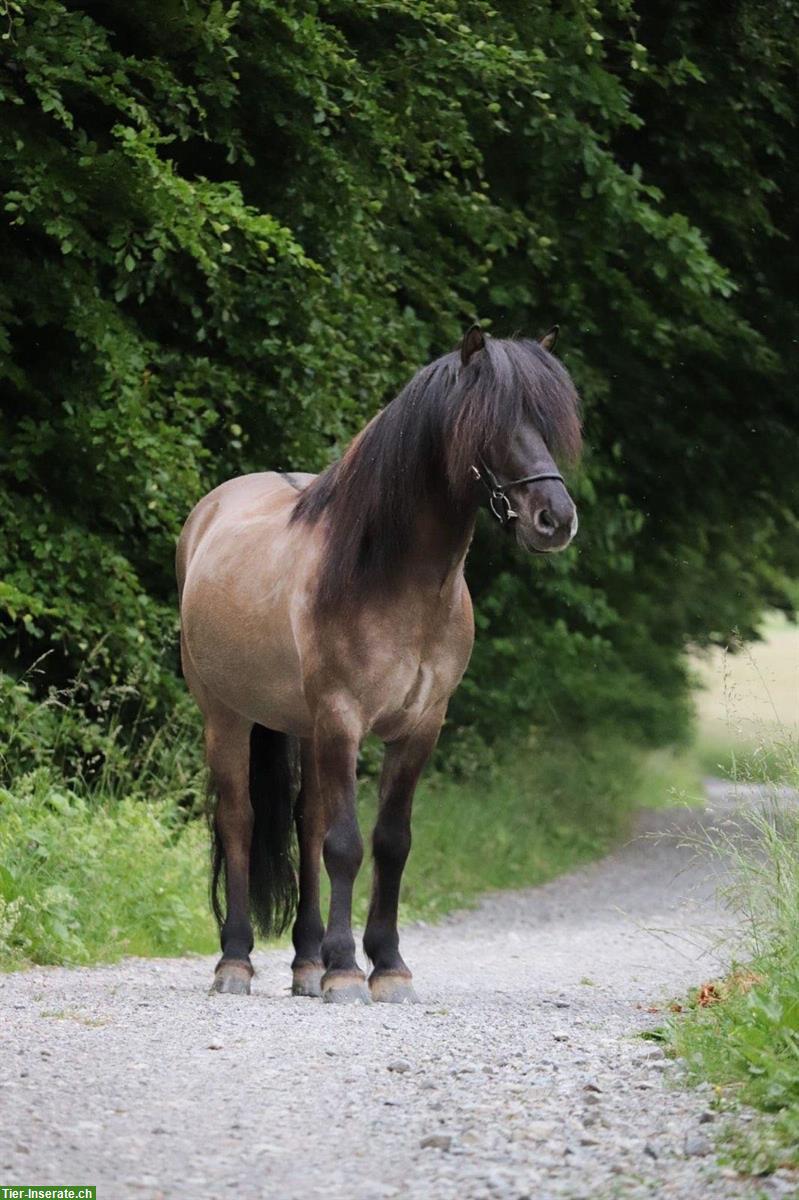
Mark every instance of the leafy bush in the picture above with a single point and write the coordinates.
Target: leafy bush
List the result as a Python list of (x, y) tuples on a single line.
[(233, 231), (83, 880)]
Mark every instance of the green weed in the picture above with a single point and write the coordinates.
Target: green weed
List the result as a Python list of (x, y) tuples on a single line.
[(743, 1034), (86, 879), (74, 1014)]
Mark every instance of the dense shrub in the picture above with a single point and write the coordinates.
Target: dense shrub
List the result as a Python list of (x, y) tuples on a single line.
[(233, 230)]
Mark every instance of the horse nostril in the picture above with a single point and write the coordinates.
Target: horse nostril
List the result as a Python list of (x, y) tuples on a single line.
[(543, 522)]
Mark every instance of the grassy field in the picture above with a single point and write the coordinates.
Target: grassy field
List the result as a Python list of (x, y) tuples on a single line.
[(746, 1039), (91, 873)]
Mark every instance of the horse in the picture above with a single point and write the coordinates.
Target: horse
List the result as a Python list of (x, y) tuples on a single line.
[(318, 608)]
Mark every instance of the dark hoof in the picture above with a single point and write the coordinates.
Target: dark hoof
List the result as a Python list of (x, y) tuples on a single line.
[(345, 987), (392, 987), (232, 979), (307, 979)]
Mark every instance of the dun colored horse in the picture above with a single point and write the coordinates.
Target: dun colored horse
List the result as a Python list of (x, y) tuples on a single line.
[(316, 609)]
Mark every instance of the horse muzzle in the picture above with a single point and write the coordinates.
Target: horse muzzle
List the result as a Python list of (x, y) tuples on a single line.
[(548, 528)]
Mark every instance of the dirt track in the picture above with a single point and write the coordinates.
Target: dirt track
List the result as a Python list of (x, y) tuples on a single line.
[(519, 1074)]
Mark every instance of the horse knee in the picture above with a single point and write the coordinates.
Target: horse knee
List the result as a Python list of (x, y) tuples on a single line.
[(391, 842), (343, 848)]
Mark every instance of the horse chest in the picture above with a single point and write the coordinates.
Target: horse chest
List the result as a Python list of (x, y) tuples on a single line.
[(402, 700), (407, 690), (406, 685)]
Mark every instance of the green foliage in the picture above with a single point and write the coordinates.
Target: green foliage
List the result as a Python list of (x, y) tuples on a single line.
[(84, 880), (107, 752), (234, 230), (748, 1042), (107, 864)]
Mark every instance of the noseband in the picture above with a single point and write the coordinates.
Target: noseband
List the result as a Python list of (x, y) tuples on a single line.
[(498, 501)]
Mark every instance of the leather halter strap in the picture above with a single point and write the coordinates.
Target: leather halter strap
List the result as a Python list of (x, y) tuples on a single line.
[(498, 501)]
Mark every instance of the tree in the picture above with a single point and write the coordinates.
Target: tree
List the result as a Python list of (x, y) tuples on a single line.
[(234, 230)]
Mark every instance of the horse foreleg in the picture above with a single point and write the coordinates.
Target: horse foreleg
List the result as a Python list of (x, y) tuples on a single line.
[(307, 967), (336, 743), (227, 742), (390, 980)]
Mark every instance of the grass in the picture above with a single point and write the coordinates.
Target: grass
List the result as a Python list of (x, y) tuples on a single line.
[(90, 878), (745, 1036), (73, 1014), (98, 856), (748, 704), (743, 1033), (670, 776), (94, 872), (111, 862), (518, 825)]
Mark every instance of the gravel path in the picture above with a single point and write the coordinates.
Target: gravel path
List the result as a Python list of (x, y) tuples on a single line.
[(519, 1074)]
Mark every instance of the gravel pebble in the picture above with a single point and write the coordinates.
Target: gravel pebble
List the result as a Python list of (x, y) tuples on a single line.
[(696, 1145), (436, 1141)]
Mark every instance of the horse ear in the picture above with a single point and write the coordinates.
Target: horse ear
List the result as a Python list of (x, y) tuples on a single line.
[(550, 338), (473, 340)]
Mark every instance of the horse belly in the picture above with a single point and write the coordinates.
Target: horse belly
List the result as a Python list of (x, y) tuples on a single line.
[(263, 684), (416, 661), (239, 643)]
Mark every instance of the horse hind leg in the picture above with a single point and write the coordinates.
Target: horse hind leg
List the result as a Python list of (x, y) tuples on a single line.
[(227, 741)]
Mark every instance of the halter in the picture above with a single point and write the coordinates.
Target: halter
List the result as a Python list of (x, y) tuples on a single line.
[(498, 502)]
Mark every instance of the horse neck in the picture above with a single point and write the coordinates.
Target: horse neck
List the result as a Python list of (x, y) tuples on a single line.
[(441, 538)]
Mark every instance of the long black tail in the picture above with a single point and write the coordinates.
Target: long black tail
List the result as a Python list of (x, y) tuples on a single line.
[(274, 784)]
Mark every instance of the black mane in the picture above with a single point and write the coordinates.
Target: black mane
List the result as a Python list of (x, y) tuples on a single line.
[(425, 439)]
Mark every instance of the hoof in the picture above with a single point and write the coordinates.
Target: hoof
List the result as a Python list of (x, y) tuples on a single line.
[(392, 987), (307, 979), (232, 979), (345, 987)]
